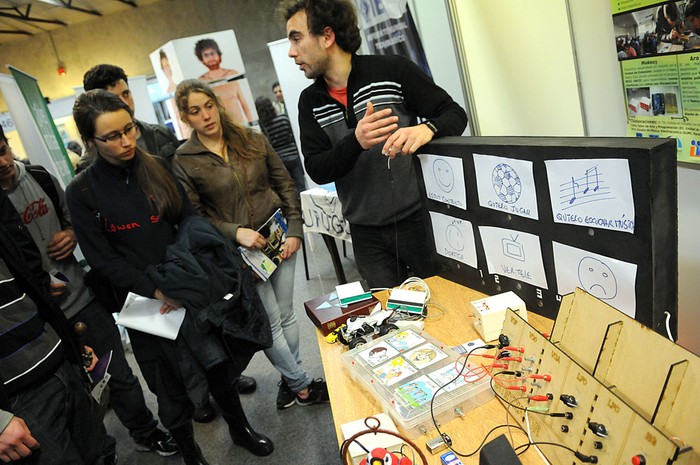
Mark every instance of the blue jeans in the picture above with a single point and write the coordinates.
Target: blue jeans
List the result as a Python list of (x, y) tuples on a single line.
[(276, 295), (384, 253), (126, 395), (62, 415)]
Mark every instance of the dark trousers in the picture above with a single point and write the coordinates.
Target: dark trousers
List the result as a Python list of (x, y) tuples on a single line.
[(126, 395), (158, 359), (296, 171), (384, 253), (62, 415)]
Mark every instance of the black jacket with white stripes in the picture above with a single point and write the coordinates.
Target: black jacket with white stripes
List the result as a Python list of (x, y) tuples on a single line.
[(371, 193)]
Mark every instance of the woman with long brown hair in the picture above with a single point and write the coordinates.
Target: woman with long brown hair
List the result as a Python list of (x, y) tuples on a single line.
[(126, 209), (234, 178)]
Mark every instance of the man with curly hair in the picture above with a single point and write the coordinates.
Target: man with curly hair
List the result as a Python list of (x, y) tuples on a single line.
[(359, 111)]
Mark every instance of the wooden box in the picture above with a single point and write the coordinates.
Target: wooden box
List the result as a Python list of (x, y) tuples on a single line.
[(327, 313)]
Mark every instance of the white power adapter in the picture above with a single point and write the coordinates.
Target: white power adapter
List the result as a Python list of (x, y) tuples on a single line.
[(490, 313)]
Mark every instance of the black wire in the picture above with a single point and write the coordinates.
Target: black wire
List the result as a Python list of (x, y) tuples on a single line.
[(340, 451), (396, 228), (527, 445), (487, 436), (432, 412), (543, 443)]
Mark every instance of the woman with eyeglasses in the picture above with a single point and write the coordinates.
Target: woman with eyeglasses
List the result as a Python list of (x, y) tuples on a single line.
[(234, 178), (126, 208)]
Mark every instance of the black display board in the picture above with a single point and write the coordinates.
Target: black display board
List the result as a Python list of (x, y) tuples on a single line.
[(652, 247)]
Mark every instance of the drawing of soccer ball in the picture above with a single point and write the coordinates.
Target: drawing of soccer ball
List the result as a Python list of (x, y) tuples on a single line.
[(506, 183)]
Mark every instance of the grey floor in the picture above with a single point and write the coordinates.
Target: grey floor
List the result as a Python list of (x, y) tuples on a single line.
[(302, 435)]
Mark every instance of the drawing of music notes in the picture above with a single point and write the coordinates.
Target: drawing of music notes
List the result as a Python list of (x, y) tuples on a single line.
[(574, 186), (588, 175)]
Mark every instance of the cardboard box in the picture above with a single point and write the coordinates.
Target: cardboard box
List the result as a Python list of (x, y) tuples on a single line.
[(327, 313), (491, 311)]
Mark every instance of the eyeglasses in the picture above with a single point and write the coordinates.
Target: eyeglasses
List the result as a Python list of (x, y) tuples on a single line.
[(117, 135)]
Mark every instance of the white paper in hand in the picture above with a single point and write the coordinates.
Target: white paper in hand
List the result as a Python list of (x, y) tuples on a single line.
[(143, 314)]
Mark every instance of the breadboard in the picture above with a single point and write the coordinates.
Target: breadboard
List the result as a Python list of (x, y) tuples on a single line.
[(637, 384)]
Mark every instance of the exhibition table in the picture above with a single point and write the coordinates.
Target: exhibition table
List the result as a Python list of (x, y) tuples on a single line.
[(350, 401)]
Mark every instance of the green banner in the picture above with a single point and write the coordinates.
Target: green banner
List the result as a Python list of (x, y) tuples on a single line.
[(42, 117), (659, 57), (663, 100), (621, 6)]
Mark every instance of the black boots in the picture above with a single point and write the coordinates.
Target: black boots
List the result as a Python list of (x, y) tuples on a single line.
[(246, 384), (244, 435), (241, 432), (184, 437)]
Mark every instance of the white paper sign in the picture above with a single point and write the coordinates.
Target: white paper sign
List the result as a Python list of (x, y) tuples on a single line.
[(444, 179), (506, 184), (514, 254), (143, 314), (454, 238), (612, 281), (595, 193)]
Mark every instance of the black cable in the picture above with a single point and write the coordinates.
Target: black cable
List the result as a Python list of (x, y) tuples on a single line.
[(396, 228), (487, 436), (432, 402), (340, 451), (582, 457)]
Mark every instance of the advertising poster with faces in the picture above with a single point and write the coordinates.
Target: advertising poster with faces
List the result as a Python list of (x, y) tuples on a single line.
[(215, 58), (506, 184), (592, 193), (612, 281)]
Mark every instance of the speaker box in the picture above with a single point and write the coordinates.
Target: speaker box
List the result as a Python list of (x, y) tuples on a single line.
[(498, 452)]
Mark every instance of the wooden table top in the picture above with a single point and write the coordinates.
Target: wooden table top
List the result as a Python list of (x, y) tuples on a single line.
[(351, 401)]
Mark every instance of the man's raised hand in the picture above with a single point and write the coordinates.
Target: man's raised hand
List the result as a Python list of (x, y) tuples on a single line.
[(375, 127)]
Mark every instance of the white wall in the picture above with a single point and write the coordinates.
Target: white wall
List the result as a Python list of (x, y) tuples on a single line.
[(433, 24), (598, 70), (520, 61)]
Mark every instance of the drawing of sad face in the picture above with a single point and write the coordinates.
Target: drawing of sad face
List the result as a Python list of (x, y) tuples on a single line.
[(597, 278), (444, 176)]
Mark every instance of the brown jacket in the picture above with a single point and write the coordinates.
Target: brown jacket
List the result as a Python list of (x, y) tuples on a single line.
[(242, 193)]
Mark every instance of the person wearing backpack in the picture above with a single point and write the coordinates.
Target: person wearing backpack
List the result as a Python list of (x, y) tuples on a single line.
[(39, 201)]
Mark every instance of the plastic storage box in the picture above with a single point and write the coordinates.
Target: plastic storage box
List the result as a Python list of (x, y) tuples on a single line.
[(405, 369)]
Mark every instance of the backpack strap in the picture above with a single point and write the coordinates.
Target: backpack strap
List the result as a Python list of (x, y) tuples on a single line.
[(45, 181)]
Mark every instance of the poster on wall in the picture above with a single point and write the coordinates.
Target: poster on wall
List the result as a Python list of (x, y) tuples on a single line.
[(388, 29), (215, 58), (658, 49)]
